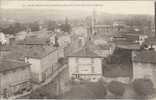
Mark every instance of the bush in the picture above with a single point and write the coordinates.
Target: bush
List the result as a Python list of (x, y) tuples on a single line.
[(98, 89), (117, 88), (41, 93), (143, 87)]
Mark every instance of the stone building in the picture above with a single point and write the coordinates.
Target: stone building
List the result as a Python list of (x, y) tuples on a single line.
[(15, 78), (144, 65)]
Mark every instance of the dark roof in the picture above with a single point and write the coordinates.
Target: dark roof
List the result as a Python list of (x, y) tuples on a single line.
[(144, 56), (34, 41), (40, 51), (19, 52), (84, 52), (16, 52), (127, 44), (6, 65)]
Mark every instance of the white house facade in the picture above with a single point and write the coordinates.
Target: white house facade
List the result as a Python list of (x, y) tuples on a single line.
[(85, 65)]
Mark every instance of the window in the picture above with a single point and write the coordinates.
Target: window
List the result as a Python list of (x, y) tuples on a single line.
[(84, 61), (77, 76)]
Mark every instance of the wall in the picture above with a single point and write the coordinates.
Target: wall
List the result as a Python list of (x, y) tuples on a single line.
[(35, 69), (97, 63), (144, 70), (14, 77), (48, 64), (62, 82), (60, 51), (72, 65)]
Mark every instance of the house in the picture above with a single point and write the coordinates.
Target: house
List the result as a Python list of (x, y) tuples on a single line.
[(15, 77), (144, 65), (128, 41), (85, 64), (42, 60), (42, 56), (131, 36)]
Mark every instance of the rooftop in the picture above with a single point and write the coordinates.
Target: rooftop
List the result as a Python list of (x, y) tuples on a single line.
[(84, 52), (6, 65), (34, 41), (38, 52), (127, 44)]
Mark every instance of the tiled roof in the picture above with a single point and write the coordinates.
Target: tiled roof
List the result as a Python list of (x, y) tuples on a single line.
[(127, 44), (34, 41), (84, 52), (16, 52), (144, 56), (19, 52), (6, 65), (40, 52)]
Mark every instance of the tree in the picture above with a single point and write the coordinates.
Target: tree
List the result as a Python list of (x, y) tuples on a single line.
[(18, 27), (51, 25), (143, 87), (13, 28), (34, 26), (98, 89), (61, 60), (66, 27), (117, 88), (56, 42), (41, 93)]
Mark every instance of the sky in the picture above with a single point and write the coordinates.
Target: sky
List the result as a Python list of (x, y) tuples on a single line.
[(114, 7)]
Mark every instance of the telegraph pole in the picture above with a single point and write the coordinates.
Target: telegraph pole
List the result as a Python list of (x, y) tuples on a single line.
[(155, 17), (93, 22)]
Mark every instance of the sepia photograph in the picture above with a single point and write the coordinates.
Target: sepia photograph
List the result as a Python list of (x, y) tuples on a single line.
[(78, 49)]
